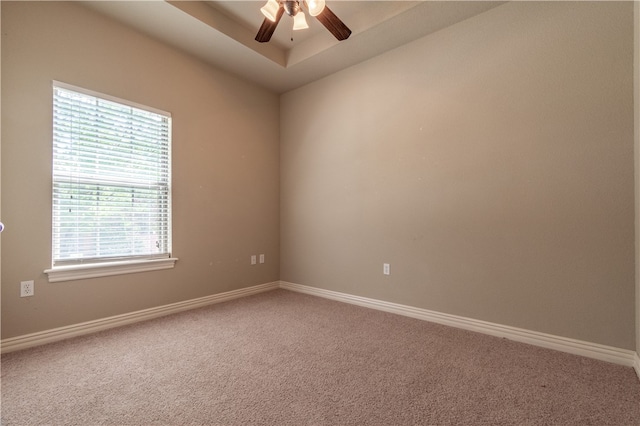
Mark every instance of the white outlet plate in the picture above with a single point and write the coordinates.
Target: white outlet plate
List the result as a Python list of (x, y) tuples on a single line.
[(253, 259), (386, 269), (26, 288), (262, 258)]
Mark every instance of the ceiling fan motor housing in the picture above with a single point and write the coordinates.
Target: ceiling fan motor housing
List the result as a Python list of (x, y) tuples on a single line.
[(291, 7)]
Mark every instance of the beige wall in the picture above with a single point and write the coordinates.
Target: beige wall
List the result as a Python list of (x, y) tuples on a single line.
[(225, 165), (637, 161), (491, 164)]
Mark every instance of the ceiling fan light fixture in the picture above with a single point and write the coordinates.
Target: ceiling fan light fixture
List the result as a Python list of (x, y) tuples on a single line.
[(270, 10), (315, 7), (294, 8), (299, 21)]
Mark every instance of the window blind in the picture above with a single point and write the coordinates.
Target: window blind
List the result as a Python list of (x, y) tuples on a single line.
[(111, 179)]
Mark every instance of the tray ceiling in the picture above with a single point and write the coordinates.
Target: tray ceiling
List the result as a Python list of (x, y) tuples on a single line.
[(222, 33)]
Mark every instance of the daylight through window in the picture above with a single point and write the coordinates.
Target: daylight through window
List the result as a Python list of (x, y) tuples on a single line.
[(111, 179)]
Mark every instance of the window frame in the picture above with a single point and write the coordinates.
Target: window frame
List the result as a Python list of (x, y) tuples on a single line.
[(94, 268)]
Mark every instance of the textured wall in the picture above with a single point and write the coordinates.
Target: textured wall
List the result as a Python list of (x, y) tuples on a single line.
[(491, 164), (225, 165)]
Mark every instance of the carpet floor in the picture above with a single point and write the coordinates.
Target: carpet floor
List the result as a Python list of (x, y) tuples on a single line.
[(284, 358)]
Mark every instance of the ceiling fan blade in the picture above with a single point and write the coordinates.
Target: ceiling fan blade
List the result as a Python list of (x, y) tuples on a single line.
[(268, 27), (334, 24)]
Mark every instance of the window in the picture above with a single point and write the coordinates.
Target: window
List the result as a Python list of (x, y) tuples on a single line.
[(111, 186)]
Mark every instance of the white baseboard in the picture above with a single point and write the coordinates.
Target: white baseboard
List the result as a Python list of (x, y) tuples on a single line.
[(62, 333), (563, 344), (577, 347)]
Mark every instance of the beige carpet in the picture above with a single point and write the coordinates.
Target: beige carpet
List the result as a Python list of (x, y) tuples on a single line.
[(282, 358)]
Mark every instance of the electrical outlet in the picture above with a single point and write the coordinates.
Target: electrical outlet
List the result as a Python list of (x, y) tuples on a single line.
[(26, 288), (386, 269), (262, 258), (253, 259)]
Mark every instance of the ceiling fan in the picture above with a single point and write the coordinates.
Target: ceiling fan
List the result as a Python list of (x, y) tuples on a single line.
[(274, 9)]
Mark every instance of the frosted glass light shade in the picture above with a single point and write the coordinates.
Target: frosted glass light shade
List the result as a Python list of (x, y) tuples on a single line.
[(315, 7), (270, 10), (299, 21)]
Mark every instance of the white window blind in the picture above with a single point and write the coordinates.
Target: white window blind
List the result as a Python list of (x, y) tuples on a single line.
[(111, 179)]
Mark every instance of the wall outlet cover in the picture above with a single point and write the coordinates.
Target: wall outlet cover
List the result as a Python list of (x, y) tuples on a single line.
[(26, 288)]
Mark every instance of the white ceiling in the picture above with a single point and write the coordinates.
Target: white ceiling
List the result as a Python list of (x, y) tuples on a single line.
[(222, 33)]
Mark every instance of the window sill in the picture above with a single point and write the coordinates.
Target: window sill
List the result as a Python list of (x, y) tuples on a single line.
[(95, 270)]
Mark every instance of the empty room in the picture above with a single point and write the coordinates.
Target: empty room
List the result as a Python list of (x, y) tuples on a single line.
[(320, 213)]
